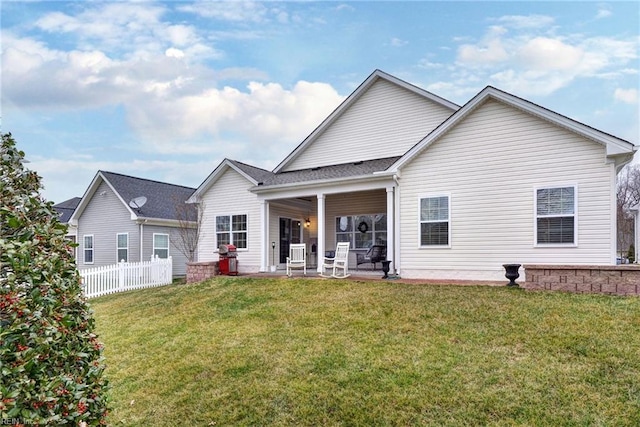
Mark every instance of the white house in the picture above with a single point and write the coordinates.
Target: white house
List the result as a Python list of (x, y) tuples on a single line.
[(453, 192)]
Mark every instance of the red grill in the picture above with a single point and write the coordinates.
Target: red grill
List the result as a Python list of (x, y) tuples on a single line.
[(228, 262)]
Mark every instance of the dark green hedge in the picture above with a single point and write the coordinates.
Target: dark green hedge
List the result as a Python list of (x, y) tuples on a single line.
[(51, 364)]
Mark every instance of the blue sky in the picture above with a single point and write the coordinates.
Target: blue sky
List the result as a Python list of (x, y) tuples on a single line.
[(166, 90)]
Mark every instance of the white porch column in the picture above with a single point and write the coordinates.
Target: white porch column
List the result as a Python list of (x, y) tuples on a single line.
[(264, 235), (321, 231), (391, 223)]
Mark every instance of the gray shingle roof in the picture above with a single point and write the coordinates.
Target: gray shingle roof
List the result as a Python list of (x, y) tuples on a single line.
[(162, 198), (65, 209), (344, 170), (258, 174)]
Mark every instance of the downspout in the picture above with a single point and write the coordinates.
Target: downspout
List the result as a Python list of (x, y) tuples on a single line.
[(141, 224)]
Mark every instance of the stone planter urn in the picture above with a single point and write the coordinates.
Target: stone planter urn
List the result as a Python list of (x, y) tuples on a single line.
[(511, 273), (385, 268)]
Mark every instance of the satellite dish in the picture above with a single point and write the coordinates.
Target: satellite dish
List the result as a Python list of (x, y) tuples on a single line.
[(138, 202)]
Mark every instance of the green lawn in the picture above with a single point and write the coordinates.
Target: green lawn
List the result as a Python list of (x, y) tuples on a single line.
[(290, 352)]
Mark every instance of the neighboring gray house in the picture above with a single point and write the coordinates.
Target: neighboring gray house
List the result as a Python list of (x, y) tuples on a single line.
[(65, 210), (126, 218), (452, 191)]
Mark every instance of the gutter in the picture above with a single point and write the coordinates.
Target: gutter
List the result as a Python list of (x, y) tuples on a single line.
[(376, 176), (164, 222)]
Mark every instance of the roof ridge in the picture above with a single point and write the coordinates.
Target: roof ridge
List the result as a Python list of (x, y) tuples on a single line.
[(146, 179), (339, 164), (251, 166)]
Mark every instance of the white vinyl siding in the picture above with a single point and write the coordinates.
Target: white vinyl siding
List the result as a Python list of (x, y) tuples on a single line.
[(88, 249), (490, 163), (122, 247), (161, 245), (435, 227), (385, 122), (556, 216), (228, 195)]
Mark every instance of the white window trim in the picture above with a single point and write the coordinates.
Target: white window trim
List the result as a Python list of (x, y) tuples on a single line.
[(92, 249), (215, 232), (433, 196), (153, 242), (575, 217), (118, 248)]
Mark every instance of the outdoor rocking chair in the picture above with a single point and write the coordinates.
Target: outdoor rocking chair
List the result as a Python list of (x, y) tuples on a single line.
[(339, 264), (375, 254), (297, 257)]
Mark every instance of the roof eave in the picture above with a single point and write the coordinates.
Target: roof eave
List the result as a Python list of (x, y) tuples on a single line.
[(262, 189), (165, 222)]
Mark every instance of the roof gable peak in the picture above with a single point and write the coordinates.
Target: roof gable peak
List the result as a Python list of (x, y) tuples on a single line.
[(614, 145), (352, 99), (253, 174)]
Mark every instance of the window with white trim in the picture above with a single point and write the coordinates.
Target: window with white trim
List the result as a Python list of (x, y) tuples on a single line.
[(232, 229), (161, 245), (556, 215), (122, 247), (88, 248), (362, 231), (434, 221)]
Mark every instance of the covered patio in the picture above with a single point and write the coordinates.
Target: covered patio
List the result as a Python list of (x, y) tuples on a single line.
[(364, 219), (352, 202)]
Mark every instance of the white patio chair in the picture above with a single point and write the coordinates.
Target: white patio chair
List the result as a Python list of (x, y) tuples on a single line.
[(339, 264), (297, 257)]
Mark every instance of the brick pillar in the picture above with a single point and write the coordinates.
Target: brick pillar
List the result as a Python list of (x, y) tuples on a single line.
[(201, 271)]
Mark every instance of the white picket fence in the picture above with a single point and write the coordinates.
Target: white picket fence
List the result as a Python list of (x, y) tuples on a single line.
[(126, 276)]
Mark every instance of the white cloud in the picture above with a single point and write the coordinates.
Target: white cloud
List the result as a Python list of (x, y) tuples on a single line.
[(428, 65), (174, 53), (25, 54), (115, 21), (526, 21), (396, 42), (264, 113), (241, 11), (486, 53), (603, 12), (540, 62), (628, 96), (127, 30), (529, 82), (128, 56), (346, 7), (543, 53), (181, 35)]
